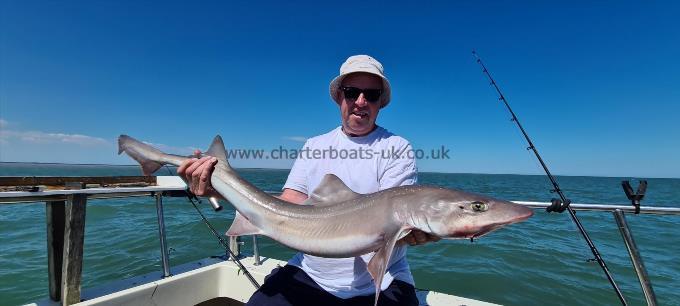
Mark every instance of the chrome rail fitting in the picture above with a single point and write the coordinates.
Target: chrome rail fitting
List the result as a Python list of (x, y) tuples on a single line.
[(635, 257), (161, 234), (256, 251)]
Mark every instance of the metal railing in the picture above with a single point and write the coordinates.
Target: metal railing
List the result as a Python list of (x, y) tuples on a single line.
[(619, 215), (635, 257), (161, 235), (65, 287), (650, 210)]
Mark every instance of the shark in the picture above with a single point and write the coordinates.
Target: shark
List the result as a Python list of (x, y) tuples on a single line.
[(336, 222)]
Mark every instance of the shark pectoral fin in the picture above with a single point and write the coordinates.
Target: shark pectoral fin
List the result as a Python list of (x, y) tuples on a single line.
[(217, 149), (241, 226), (377, 266)]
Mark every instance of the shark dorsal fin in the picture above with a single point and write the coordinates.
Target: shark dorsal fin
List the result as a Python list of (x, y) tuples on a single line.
[(217, 149), (331, 190)]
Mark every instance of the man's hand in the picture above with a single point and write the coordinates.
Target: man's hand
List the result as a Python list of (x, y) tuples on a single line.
[(292, 196), (418, 237), (196, 173)]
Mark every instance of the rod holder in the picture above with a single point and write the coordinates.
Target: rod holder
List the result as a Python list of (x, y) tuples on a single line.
[(635, 197)]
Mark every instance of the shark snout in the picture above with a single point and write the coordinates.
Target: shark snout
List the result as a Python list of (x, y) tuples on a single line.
[(522, 213), (500, 214), (509, 213)]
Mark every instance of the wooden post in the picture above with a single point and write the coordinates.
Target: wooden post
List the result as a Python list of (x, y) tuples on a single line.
[(55, 246), (74, 237)]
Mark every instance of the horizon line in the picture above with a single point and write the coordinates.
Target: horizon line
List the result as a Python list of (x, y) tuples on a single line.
[(437, 172)]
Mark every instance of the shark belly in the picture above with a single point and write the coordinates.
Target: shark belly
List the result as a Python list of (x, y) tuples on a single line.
[(334, 239)]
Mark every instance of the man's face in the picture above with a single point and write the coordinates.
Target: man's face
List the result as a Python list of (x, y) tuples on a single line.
[(358, 115)]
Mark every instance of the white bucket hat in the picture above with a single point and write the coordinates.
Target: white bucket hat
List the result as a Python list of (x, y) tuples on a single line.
[(361, 63)]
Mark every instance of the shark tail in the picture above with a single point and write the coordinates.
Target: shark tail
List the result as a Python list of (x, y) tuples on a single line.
[(135, 148), (152, 159)]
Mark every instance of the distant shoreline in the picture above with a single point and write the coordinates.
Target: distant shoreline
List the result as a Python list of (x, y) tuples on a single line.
[(286, 169)]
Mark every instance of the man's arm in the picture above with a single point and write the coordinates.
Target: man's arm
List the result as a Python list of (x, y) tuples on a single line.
[(293, 196)]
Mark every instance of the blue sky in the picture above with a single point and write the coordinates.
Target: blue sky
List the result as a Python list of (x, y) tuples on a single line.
[(594, 83)]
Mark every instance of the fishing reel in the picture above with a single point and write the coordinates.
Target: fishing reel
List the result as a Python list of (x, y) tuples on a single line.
[(557, 205)]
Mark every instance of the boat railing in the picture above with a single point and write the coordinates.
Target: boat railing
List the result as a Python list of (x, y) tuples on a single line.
[(65, 201), (619, 210), (65, 219)]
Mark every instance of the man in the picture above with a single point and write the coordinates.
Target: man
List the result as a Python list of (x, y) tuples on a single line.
[(380, 160)]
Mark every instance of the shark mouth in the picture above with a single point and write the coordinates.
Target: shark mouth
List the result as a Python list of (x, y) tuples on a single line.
[(479, 232), (494, 226), (467, 234), (486, 229)]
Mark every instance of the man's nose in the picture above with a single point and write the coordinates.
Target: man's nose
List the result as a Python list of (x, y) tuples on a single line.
[(361, 100)]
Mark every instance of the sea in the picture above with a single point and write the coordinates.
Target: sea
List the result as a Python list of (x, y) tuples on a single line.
[(542, 261)]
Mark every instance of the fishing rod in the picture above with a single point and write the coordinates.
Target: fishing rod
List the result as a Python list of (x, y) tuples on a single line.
[(561, 204), (231, 254)]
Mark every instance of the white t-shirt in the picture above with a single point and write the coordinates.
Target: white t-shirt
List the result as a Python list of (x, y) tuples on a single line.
[(366, 164)]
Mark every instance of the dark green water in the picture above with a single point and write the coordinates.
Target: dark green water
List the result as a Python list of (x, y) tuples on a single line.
[(540, 261)]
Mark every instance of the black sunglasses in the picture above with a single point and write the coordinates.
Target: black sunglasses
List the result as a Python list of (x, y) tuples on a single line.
[(371, 95)]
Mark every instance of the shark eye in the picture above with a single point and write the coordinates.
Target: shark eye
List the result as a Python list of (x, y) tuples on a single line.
[(479, 206)]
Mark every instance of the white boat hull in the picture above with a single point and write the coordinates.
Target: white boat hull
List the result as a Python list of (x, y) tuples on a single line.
[(206, 280)]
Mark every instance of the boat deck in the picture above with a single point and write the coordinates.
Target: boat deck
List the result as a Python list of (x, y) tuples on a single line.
[(207, 282)]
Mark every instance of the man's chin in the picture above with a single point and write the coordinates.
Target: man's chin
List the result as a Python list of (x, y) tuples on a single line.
[(360, 130)]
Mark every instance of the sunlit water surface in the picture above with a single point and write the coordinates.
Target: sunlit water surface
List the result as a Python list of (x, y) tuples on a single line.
[(541, 261)]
